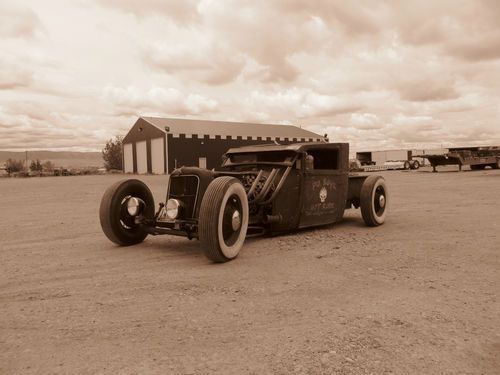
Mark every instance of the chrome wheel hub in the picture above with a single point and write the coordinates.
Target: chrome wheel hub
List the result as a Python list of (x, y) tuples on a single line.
[(381, 201), (236, 220)]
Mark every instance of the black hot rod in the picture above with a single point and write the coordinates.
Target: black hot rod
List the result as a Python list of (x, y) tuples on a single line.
[(257, 190)]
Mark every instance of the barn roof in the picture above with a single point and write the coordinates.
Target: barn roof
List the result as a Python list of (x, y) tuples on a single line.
[(225, 128)]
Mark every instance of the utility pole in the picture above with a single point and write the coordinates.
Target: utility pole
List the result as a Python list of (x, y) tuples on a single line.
[(26, 158)]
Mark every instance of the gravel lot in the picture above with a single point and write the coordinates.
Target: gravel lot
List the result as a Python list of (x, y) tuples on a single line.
[(418, 295)]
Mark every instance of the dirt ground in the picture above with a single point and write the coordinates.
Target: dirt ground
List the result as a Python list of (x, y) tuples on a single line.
[(418, 295)]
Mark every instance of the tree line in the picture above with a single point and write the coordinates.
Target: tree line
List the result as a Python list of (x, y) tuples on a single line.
[(111, 154), (13, 166)]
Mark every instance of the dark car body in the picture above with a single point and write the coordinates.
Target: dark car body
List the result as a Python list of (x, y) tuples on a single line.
[(296, 204)]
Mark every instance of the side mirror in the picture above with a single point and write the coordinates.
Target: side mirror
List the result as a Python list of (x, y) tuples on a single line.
[(309, 162)]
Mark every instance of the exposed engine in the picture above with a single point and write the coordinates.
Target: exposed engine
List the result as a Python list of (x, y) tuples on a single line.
[(248, 179)]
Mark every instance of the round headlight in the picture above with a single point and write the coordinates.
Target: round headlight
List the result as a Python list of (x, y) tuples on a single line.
[(173, 208), (133, 205)]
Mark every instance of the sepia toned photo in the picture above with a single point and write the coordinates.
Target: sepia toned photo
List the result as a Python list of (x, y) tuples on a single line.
[(250, 187)]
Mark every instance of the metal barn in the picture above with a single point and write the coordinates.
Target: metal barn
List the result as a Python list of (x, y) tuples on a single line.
[(159, 145)]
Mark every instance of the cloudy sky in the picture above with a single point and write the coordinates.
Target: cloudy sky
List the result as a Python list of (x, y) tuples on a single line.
[(379, 74)]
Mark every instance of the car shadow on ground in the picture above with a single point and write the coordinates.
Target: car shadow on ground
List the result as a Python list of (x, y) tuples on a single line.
[(165, 245), (181, 247), (346, 222)]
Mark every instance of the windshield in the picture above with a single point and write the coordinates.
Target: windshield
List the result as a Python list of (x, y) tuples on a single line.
[(260, 157)]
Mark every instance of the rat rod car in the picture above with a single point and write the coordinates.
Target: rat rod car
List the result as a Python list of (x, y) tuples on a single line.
[(258, 189)]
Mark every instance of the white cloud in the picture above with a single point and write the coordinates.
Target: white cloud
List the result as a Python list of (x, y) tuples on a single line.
[(366, 121), (158, 99), (430, 88), (13, 76), (17, 21), (403, 120), (184, 11), (299, 103), (213, 65), (477, 47)]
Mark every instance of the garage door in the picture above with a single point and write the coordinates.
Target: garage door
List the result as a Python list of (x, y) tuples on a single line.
[(142, 157), (128, 158), (157, 156)]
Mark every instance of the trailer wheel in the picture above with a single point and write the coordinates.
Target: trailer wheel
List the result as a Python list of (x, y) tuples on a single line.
[(374, 200), (415, 164), (116, 222), (406, 165), (223, 219)]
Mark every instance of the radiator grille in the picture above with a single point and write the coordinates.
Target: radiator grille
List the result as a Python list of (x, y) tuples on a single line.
[(185, 189)]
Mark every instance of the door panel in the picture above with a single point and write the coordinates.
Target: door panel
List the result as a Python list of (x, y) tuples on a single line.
[(324, 195)]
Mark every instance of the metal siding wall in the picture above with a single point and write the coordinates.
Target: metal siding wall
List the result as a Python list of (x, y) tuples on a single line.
[(187, 151), (157, 156), (142, 157), (128, 158)]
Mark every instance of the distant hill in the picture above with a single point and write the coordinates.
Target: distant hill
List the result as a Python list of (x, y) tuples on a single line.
[(66, 159)]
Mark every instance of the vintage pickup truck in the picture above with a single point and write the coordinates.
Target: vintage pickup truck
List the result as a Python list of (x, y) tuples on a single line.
[(257, 190)]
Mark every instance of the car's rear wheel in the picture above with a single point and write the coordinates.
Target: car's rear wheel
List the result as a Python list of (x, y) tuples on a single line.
[(373, 200), (223, 219), (415, 164), (406, 165), (116, 222)]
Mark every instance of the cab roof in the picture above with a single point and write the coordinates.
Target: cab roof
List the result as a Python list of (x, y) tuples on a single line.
[(294, 147)]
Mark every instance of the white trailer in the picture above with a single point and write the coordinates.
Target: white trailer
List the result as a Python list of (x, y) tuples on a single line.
[(395, 159)]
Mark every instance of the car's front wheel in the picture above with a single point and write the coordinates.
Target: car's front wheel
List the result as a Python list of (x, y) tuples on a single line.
[(223, 219), (117, 222), (373, 200)]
